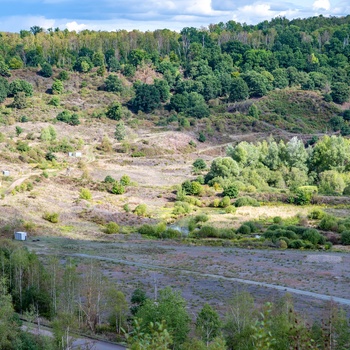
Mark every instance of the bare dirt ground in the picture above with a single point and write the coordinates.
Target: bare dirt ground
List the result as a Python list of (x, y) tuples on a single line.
[(213, 274)]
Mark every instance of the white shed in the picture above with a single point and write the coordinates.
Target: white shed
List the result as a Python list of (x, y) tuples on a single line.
[(5, 173), (20, 236), (75, 154)]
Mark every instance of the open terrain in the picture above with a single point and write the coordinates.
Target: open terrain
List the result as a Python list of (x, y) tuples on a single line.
[(212, 274)]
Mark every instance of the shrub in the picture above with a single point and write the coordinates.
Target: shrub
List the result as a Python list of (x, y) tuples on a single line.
[(216, 203), (141, 210), (46, 70), (125, 180), (317, 214), (245, 201), (51, 217), (313, 236), (85, 194), (199, 164), (57, 87), (109, 179), (296, 244), (201, 218), (55, 101), (231, 209), (304, 194), (345, 237), (251, 225), (244, 229), (277, 220), (63, 75), (111, 228), (148, 230), (231, 191), (282, 244), (196, 188), (328, 223), (118, 188), (207, 231), (182, 208), (225, 202)]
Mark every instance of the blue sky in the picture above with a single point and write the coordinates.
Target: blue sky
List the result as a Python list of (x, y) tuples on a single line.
[(155, 14)]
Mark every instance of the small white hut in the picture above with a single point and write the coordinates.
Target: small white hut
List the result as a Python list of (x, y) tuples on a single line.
[(76, 154), (20, 236), (5, 173)]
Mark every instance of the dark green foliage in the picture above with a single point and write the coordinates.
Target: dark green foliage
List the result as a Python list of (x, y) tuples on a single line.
[(199, 164), (296, 244), (163, 88), (340, 92), (83, 64), (19, 85), (4, 69), (313, 236), (129, 70), (191, 104), (201, 137), (230, 191), (147, 98), (257, 83), (109, 179), (328, 223), (69, 118), (239, 90), (115, 111), (63, 75), (4, 89), (345, 237), (46, 70), (113, 84), (138, 298), (244, 229)]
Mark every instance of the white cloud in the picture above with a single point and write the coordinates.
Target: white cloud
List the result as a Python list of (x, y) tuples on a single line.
[(259, 11), (16, 23), (74, 26), (321, 5)]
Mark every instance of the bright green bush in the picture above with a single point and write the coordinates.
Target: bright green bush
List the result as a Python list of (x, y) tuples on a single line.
[(317, 214), (112, 228), (141, 210), (51, 217), (85, 193), (181, 208), (118, 188), (125, 180), (225, 202)]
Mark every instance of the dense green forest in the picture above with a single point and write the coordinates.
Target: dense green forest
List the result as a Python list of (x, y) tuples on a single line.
[(227, 60)]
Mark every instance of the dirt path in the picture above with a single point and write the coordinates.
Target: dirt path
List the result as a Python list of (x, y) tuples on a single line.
[(19, 181), (342, 301)]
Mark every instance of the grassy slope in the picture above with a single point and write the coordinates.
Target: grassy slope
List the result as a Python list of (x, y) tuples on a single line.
[(168, 154)]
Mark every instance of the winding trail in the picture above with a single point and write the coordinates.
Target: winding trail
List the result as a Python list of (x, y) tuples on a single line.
[(318, 296)]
